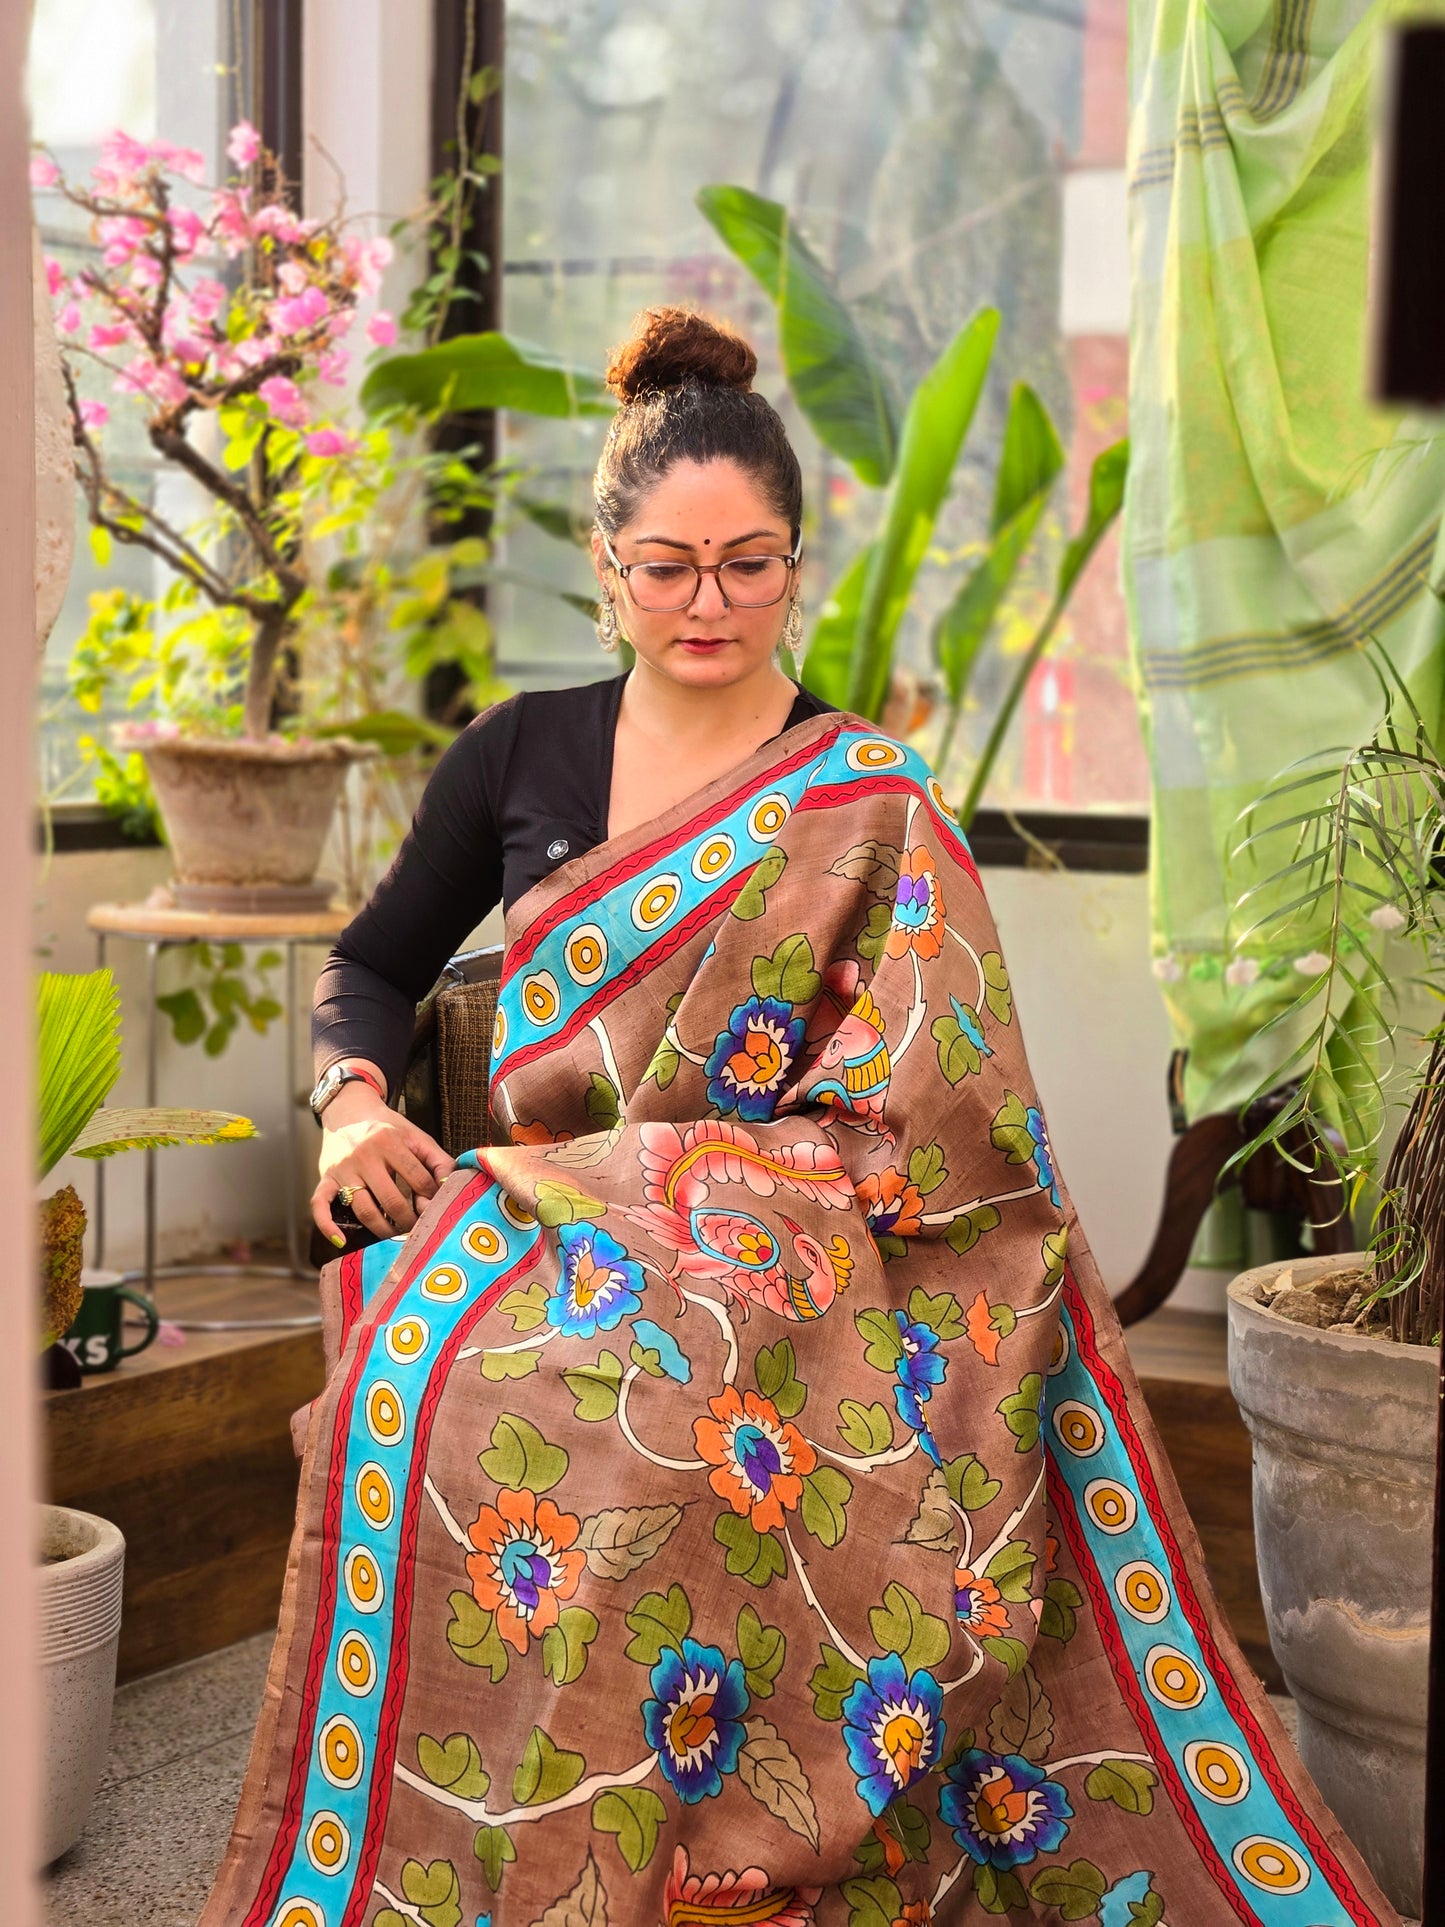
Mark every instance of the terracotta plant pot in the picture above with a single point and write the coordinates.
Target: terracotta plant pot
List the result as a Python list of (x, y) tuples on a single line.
[(247, 821), (79, 1581), (1344, 1502)]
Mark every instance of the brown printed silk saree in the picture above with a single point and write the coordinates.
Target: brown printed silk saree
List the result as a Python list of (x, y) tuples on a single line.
[(733, 1503)]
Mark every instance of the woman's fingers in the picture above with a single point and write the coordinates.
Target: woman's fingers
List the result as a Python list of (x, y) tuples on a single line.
[(322, 1199), (367, 1211), (378, 1181), (440, 1163), (410, 1169)]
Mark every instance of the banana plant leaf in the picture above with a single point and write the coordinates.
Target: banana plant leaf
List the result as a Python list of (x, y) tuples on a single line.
[(1031, 463), (836, 382), (78, 1055), (830, 648), (934, 430), (485, 371), (138, 1128)]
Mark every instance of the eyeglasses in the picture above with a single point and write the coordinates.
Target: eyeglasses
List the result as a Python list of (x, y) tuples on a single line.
[(744, 582)]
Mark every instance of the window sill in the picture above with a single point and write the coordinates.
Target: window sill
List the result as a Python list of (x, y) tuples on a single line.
[(76, 827), (1060, 839)]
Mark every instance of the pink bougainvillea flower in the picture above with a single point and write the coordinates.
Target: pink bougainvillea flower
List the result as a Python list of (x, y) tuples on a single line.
[(207, 298), (381, 328), (110, 334), (68, 320), (188, 162), (284, 399), (328, 441), (292, 276), (43, 171), (122, 156), (144, 376), (145, 271), (280, 223), (94, 414), (295, 314), (367, 259), (244, 145), (231, 220), (188, 229), (54, 275), (332, 366)]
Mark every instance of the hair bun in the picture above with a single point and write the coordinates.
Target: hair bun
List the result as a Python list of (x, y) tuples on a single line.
[(670, 347)]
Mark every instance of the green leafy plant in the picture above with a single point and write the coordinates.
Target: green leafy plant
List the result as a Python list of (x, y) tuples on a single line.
[(77, 1063), (225, 991), (1340, 854)]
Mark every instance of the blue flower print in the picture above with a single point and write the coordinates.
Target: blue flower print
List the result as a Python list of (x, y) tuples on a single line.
[(1003, 1810), (1043, 1153), (968, 1023), (920, 1367), (893, 1730), (671, 1358), (694, 1720), (598, 1284), (751, 1059)]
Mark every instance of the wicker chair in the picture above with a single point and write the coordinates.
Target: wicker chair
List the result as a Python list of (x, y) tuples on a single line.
[(447, 1074)]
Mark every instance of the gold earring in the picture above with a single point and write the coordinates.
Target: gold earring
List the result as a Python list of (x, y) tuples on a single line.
[(793, 634), (607, 624)]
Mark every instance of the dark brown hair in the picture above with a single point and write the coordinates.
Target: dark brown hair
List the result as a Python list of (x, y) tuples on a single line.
[(685, 384)]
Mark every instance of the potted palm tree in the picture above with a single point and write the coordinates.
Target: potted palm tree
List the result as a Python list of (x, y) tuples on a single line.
[(81, 1557), (1335, 1361)]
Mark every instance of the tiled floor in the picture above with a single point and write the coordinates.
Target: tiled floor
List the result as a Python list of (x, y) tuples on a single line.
[(178, 1749)]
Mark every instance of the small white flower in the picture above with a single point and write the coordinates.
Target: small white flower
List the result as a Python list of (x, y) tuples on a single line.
[(1387, 917), (1167, 969), (1313, 965), (1241, 972)]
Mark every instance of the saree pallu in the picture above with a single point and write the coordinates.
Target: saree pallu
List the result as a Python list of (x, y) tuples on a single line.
[(732, 1502)]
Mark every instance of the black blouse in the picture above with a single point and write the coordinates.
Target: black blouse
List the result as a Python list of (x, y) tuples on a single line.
[(523, 789)]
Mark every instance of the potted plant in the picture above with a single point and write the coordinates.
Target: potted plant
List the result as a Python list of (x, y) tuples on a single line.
[(81, 1557), (221, 316), (1335, 1362)]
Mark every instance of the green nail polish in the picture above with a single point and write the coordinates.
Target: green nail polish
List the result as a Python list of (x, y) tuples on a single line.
[(338, 1239)]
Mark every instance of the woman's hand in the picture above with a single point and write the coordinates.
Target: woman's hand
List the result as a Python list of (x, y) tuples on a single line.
[(372, 1150)]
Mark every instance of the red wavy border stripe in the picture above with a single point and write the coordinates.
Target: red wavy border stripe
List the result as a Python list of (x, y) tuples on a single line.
[(389, 1723), (588, 893), (1112, 1391), (283, 1846), (351, 1300)]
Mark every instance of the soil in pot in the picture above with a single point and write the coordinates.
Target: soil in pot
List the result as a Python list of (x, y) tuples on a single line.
[(1343, 1423)]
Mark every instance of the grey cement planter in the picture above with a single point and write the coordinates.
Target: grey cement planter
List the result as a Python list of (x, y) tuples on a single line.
[(79, 1588), (1344, 1481)]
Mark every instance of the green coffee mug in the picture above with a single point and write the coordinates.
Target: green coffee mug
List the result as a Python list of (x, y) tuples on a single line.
[(94, 1340)]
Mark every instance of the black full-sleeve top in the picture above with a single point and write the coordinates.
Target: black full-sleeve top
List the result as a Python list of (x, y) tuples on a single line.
[(524, 788)]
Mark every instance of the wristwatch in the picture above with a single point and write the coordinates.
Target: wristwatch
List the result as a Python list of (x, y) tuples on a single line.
[(333, 1080)]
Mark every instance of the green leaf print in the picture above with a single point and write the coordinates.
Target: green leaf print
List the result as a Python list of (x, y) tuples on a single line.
[(909, 1828), (520, 1458), (1011, 1570), (883, 1338), (1128, 1783), (660, 1623), (526, 1309), (1020, 1411), (617, 1542), (871, 938), (762, 1650), (969, 1226), (1023, 1720), (926, 1168), (826, 1493), (958, 1055), (751, 1555), (562, 1203), (969, 1484), (900, 1625), (752, 900), (999, 1893), (1004, 1320), (545, 1771), (1055, 1251), (997, 995), (632, 1814), (1011, 1653), (872, 1903), (833, 1679), (775, 1372), (564, 1646), (595, 1387), (941, 1314), (493, 1847), (604, 1102), (867, 1428), (499, 1366), (889, 1245), (473, 1637), (789, 973), (1075, 1890), (434, 1891), (664, 1066), (1147, 1912), (1010, 1131), (454, 1763), (1062, 1600)]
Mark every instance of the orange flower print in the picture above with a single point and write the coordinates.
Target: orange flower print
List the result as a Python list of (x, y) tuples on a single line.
[(916, 1913), (539, 1133), (893, 1854), (759, 1459), (892, 1204), (983, 1334), (711, 1899), (917, 909), (523, 1564), (978, 1603), (1051, 1550)]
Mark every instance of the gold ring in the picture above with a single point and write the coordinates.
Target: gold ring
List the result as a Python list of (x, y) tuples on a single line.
[(346, 1194)]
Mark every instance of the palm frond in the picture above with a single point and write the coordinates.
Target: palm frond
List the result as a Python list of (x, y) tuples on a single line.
[(137, 1128), (78, 1055)]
